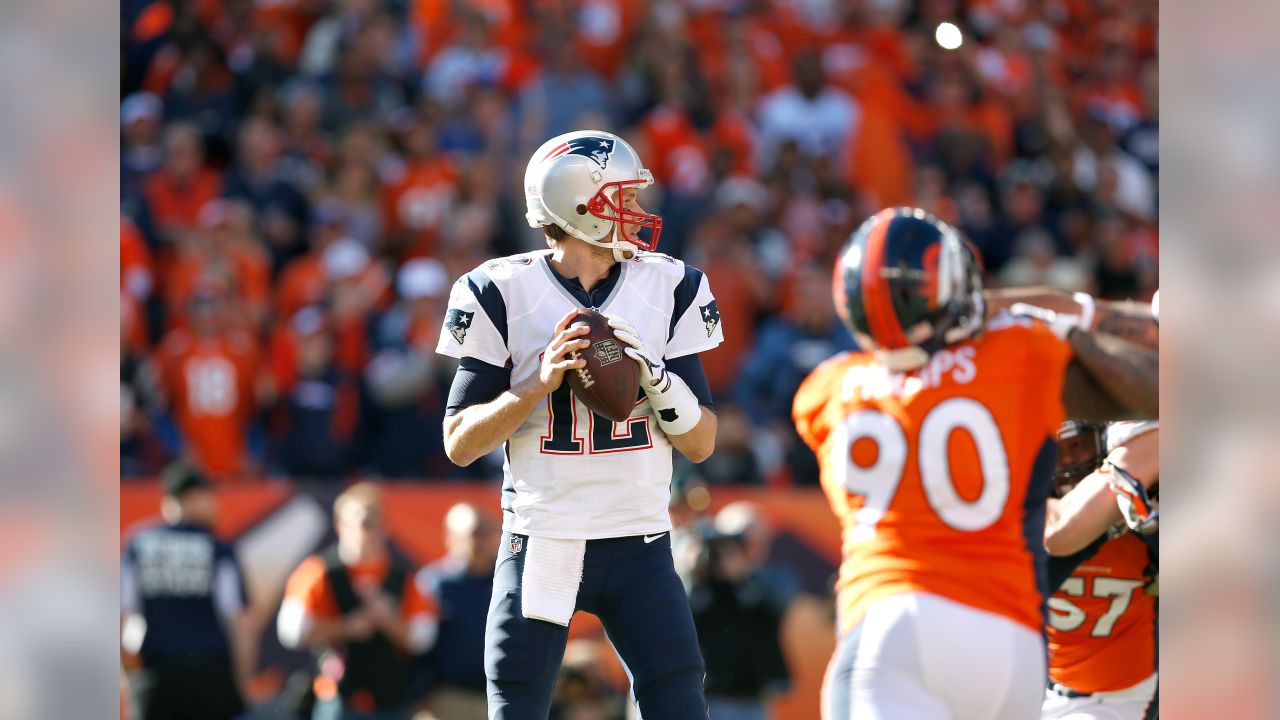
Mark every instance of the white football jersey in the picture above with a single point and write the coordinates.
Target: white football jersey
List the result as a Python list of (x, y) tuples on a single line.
[(569, 473)]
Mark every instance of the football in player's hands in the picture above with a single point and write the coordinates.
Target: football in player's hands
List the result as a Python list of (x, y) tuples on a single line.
[(610, 382)]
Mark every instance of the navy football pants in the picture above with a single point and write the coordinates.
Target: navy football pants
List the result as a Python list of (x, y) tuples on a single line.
[(633, 588)]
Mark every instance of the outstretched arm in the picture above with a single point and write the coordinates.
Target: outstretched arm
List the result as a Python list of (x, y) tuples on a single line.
[(1128, 320), (1128, 373)]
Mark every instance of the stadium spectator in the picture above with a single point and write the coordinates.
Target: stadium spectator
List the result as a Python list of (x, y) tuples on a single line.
[(302, 280), (462, 581), (419, 192), (735, 460), (582, 692), (723, 246), (473, 59), (137, 277), (406, 382), (787, 349), (738, 612), (183, 185), (208, 374), (561, 94), (319, 406), (183, 611), (141, 115), (356, 605), (816, 116), (1036, 262), (257, 177)]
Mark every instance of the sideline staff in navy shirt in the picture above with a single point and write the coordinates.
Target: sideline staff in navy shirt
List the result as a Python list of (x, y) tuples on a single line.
[(462, 581), (183, 610)]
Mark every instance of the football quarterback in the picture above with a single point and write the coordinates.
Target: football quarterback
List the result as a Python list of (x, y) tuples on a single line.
[(584, 498), (937, 449)]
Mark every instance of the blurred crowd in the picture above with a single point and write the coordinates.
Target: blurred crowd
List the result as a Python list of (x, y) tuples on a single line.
[(303, 179)]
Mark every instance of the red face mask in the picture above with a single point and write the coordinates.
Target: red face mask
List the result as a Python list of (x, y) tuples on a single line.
[(605, 208)]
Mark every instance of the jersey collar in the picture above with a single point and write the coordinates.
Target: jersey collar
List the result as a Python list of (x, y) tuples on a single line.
[(598, 296)]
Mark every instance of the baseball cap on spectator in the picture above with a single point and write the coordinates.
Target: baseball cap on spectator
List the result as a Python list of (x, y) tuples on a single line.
[(422, 277), (140, 106), (308, 321), (345, 258), (180, 478)]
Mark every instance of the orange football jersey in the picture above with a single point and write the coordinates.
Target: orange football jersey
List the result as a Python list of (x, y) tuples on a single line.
[(930, 472), (1102, 622), (210, 385)]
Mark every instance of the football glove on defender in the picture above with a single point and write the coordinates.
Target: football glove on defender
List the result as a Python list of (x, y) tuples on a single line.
[(674, 403), (1140, 512), (1060, 323)]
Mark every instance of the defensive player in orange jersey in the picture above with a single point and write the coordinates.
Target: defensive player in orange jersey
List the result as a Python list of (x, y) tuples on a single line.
[(937, 453), (1105, 566)]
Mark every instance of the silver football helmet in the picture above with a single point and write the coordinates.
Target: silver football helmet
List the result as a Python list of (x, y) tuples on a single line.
[(575, 181)]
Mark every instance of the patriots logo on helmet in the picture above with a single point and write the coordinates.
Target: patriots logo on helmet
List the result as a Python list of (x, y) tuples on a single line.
[(597, 148)]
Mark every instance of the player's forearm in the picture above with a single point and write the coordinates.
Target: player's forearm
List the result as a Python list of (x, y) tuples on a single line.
[(1131, 321), (1128, 372), (699, 442), (1059, 301), (1140, 457), (479, 429), (1080, 517)]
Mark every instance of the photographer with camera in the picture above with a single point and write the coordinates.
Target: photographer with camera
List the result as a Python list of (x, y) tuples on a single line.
[(737, 609)]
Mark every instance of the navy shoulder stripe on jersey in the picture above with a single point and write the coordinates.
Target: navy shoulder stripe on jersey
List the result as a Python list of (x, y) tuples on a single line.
[(1033, 518), (686, 291), (490, 298)]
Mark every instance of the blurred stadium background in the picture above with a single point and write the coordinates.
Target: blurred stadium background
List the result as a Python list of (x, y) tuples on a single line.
[(302, 180)]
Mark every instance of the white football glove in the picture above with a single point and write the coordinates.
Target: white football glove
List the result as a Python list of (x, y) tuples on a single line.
[(674, 403), (653, 372), (1060, 323)]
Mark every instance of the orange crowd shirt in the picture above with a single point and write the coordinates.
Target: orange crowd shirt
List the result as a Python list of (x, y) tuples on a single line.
[(308, 586), (209, 382), (939, 476), (1102, 621)]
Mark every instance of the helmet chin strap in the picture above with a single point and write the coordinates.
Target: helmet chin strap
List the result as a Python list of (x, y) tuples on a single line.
[(619, 246)]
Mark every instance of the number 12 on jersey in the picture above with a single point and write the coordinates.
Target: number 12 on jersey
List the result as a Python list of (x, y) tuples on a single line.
[(565, 438), (878, 482)]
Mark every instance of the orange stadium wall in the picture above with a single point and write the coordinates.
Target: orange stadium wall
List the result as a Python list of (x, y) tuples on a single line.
[(274, 523)]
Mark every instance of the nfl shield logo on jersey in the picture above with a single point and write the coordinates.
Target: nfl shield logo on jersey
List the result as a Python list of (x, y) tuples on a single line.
[(457, 322), (517, 544)]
